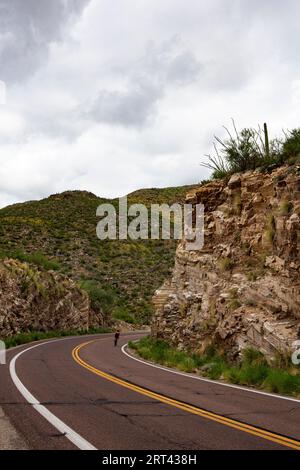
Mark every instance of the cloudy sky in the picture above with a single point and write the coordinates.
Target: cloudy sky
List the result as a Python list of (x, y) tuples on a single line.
[(112, 96)]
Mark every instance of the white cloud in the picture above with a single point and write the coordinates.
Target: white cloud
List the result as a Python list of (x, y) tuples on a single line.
[(296, 92), (12, 124), (2, 92), (114, 96)]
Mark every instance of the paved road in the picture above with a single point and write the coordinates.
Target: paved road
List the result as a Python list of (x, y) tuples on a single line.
[(104, 399)]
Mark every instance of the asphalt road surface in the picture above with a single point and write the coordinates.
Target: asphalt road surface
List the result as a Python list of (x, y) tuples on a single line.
[(85, 393)]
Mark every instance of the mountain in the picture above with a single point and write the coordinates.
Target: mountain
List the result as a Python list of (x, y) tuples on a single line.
[(59, 233)]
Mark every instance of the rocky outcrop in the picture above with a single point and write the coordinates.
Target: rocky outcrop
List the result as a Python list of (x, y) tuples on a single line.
[(37, 300), (243, 288)]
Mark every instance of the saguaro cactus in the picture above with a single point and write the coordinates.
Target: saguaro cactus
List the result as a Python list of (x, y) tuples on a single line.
[(267, 145)]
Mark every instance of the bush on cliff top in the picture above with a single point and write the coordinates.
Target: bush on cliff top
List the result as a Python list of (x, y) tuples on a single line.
[(249, 149), (291, 145)]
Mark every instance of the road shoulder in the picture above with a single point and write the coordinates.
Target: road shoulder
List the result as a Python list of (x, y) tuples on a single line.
[(10, 439)]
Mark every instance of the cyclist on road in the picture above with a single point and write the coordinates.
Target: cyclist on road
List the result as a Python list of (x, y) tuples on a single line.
[(117, 336)]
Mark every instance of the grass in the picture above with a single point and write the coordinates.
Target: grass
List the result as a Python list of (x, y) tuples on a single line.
[(29, 337), (35, 258), (234, 304), (225, 264), (253, 370), (123, 314)]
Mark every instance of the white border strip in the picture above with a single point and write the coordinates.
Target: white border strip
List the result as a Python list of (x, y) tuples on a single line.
[(202, 379), (69, 433)]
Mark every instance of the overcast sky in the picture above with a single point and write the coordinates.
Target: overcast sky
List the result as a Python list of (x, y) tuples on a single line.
[(115, 95)]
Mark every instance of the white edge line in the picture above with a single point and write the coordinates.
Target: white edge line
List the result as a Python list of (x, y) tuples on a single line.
[(68, 432), (202, 379)]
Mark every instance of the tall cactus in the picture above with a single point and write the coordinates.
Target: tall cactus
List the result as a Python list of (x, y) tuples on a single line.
[(267, 144)]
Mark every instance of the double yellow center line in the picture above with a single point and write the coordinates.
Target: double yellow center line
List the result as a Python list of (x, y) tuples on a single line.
[(258, 432)]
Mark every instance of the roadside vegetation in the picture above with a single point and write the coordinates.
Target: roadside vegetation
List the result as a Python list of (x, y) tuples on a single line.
[(253, 370), (251, 149), (29, 337)]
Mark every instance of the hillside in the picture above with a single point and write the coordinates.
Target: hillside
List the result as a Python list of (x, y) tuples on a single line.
[(58, 233)]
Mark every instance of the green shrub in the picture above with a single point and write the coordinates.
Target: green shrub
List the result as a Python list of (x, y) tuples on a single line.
[(232, 375), (243, 150), (285, 208), (121, 313), (210, 351), (186, 364), (101, 299), (225, 264), (234, 304), (279, 381), (253, 357), (36, 258), (253, 375), (249, 149), (291, 145), (217, 369)]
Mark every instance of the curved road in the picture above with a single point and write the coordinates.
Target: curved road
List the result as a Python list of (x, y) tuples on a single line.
[(82, 392)]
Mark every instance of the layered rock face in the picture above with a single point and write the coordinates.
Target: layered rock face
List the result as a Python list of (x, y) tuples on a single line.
[(243, 288), (34, 300)]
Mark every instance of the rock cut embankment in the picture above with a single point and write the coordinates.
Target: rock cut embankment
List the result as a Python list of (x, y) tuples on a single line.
[(243, 288), (38, 300)]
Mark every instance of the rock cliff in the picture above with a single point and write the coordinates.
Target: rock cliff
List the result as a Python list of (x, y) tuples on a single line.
[(37, 300), (243, 288)]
